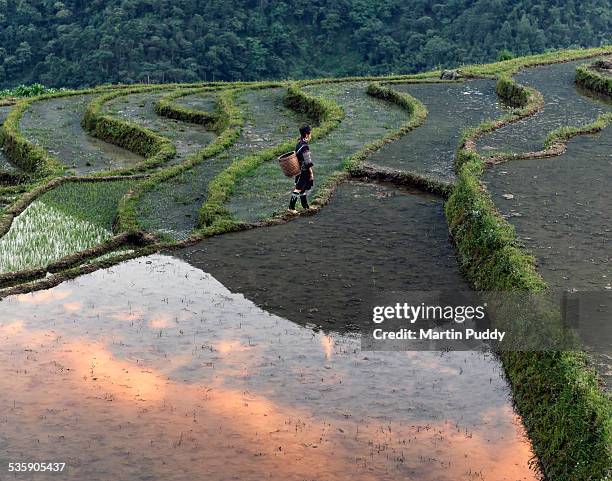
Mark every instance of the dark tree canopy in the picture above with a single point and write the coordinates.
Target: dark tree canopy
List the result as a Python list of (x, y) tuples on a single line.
[(87, 42)]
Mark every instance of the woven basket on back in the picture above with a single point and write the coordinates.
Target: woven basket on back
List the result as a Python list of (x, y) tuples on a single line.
[(289, 163)]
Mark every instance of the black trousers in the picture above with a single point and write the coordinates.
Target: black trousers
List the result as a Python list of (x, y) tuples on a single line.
[(303, 182)]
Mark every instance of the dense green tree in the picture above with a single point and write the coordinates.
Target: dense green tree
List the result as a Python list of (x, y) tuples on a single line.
[(86, 42)]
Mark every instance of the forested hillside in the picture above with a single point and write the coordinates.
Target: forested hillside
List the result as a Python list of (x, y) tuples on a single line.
[(86, 42)]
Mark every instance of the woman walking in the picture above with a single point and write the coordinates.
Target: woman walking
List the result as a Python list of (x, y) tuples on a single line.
[(305, 179)]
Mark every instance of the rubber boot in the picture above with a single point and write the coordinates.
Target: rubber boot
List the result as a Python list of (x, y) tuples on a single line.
[(304, 201), (294, 198)]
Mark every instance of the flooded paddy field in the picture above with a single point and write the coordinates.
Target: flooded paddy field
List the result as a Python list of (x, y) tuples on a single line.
[(55, 124), (564, 105), (452, 107), (155, 370), (172, 207), (369, 245), (198, 101), (63, 221), (366, 119), (560, 207), (139, 108)]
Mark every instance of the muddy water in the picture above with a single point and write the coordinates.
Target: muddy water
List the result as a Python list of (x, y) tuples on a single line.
[(140, 108), (370, 242), (172, 208), (564, 105), (199, 101), (366, 119), (453, 107), (154, 370), (562, 213), (4, 111), (55, 124)]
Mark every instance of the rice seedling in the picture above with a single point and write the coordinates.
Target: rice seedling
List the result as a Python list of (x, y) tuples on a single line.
[(42, 234)]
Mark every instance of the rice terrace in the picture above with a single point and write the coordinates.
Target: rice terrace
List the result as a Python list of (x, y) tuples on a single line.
[(164, 316)]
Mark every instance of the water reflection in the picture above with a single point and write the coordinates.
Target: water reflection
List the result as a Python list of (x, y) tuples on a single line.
[(165, 374), (369, 246)]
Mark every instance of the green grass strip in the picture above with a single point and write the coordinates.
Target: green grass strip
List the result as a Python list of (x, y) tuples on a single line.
[(166, 107), (510, 67), (31, 158), (228, 116), (590, 79), (156, 148), (511, 92), (325, 112), (567, 416), (561, 135), (486, 242)]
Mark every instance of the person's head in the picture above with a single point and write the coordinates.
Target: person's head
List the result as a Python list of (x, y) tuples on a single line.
[(305, 132)]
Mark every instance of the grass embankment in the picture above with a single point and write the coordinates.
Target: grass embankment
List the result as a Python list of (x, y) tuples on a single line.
[(32, 159), (228, 124), (558, 138), (510, 67), (590, 79), (266, 186), (418, 113), (155, 148), (167, 107), (214, 218), (566, 414)]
